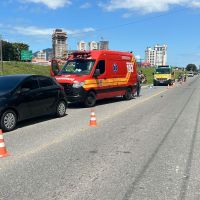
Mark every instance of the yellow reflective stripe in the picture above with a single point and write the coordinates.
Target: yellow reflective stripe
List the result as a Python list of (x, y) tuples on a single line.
[(107, 82)]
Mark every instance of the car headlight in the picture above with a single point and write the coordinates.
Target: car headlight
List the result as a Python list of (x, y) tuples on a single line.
[(78, 84)]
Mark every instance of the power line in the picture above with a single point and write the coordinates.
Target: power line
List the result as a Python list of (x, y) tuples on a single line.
[(129, 23)]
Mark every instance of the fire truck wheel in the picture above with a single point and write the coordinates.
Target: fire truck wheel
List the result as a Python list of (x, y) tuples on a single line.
[(128, 94), (90, 99)]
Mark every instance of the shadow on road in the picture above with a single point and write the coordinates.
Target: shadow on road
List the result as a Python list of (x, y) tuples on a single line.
[(36, 120), (98, 103)]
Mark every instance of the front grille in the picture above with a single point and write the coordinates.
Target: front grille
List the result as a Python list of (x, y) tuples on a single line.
[(162, 79), (68, 88)]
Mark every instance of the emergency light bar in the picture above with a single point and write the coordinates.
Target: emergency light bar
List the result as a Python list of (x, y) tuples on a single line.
[(81, 54)]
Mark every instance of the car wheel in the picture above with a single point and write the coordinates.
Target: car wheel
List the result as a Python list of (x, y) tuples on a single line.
[(128, 95), (61, 109), (8, 120), (90, 99)]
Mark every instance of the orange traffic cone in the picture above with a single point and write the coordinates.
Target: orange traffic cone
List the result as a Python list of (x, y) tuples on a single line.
[(3, 151), (93, 121)]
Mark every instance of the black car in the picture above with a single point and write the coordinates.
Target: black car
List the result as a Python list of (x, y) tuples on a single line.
[(28, 96)]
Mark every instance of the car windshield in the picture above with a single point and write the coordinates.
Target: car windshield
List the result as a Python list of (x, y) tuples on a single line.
[(8, 83), (78, 66), (163, 71)]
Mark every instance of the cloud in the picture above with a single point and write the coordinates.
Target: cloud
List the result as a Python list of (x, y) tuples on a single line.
[(138, 57), (36, 31), (52, 4), (33, 31), (147, 6), (85, 5), (195, 4), (127, 15)]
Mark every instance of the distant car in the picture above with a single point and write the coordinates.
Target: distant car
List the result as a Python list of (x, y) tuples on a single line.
[(190, 74), (28, 96)]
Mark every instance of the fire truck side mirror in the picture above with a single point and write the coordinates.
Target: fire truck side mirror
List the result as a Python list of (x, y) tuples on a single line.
[(55, 67)]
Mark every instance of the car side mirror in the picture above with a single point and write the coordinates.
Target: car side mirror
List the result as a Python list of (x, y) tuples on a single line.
[(55, 68), (97, 73), (56, 71)]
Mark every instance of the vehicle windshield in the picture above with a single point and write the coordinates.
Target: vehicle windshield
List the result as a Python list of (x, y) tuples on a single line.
[(8, 83), (163, 71), (78, 66)]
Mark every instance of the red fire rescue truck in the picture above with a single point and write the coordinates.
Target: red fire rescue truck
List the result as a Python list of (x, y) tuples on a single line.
[(91, 75)]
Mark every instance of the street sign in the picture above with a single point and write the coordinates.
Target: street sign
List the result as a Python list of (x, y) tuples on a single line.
[(26, 55)]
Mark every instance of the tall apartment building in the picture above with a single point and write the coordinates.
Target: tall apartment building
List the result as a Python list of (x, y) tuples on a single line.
[(103, 45), (156, 55), (93, 45), (59, 43), (82, 46)]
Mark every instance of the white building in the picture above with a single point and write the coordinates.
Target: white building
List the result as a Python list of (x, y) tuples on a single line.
[(156, 55), (41, 56), (82, 46), (93, 45)]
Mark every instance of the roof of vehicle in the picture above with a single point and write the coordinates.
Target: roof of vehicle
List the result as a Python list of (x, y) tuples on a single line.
[(20, 76), (96, 53)]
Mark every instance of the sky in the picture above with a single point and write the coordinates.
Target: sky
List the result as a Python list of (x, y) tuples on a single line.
[(128, 25)]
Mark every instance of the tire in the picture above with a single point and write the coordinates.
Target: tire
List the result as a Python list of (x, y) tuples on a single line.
[(61, 109), (8, 120), (128, 95), (90, 99)]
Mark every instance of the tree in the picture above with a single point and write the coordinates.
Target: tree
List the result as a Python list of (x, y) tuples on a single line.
[(12, 51), (191, 67), (18, 47), (8, 51)]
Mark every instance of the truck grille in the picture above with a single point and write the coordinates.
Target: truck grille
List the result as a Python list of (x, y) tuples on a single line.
[(162, 79)]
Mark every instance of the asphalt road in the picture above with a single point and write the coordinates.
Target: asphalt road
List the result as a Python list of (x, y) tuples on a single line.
[(146, 148)]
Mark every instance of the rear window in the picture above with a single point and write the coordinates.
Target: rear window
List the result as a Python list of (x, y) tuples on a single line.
[(31, 84), (8, 83), (46, 82)]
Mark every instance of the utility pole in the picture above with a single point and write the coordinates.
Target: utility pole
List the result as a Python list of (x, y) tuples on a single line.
[(1, 55)]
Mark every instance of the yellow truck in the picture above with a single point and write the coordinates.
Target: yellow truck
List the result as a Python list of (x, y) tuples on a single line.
[(164, 75)]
